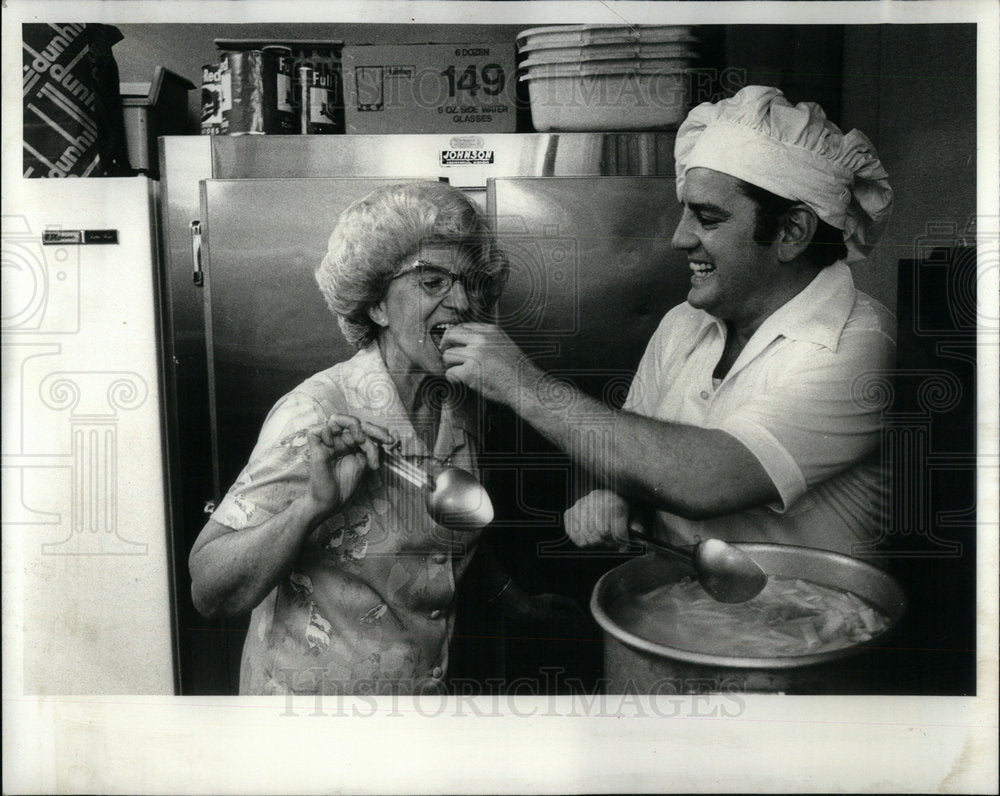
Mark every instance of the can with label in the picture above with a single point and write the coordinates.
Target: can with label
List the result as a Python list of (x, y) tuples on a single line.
[(284, 93), (323, 56), (212, 100), (318, 103), (324, 59), (261, 92)]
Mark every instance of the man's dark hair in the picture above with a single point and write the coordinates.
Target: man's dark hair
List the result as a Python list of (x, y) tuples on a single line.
[(827, 244)]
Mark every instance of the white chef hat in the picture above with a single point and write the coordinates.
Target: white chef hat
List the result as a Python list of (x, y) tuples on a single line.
[(795, 152)]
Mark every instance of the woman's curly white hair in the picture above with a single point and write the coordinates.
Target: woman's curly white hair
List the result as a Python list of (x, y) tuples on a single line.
[(374, 236)]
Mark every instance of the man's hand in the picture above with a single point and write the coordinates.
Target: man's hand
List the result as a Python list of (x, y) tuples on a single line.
[(483, 357), (600, 517), (340, 451)]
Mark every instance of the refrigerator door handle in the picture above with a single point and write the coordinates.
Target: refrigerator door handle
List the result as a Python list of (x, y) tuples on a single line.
[(198, 274)]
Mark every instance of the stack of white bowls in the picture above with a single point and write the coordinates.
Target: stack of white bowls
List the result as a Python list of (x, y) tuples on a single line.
[(607, 77)]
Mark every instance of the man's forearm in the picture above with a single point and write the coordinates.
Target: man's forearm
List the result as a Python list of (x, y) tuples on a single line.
[(694, 472)]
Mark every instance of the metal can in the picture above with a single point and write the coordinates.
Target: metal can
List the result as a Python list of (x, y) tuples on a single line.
[(284, 93), (305, 79), (261, 92), (246, 73), (324, 59), (212, 99), (317, 107)]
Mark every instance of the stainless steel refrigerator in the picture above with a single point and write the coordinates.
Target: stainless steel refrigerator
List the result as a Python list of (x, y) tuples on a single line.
[(586, 220)]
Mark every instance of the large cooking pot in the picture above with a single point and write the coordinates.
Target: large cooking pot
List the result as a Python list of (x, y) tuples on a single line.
[(634, 664)]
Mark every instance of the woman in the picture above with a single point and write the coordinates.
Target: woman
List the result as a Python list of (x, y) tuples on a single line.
[(351, 583)]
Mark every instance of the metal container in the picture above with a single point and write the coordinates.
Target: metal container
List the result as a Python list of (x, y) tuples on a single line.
[(317, 103), (213, 99), (261, 85), (320, 55), (284, 92), (634, 664)]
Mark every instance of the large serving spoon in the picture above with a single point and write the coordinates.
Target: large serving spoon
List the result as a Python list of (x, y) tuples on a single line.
[(728, 574), (454, 499)]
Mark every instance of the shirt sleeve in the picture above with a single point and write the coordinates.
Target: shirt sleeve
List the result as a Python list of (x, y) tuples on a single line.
[(812, 420), (278, 469)]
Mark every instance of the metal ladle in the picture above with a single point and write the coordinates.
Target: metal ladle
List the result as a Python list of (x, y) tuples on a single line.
[(454, 499), (727, 573)]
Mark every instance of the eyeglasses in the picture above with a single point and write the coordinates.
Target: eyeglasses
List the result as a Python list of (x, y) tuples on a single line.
[(436, 281)]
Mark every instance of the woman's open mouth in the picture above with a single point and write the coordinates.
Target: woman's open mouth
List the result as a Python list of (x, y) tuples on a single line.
[(437, 332)]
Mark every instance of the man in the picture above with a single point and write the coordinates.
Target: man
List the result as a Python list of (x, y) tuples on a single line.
[(744, 420)]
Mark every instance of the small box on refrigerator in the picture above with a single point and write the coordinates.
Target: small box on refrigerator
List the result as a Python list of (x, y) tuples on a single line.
[(429, 88)]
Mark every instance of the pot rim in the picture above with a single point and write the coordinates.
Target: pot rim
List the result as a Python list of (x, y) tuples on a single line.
[(742, 662)]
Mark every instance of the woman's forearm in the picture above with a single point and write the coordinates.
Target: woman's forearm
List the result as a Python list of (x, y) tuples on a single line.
[(233, 571)]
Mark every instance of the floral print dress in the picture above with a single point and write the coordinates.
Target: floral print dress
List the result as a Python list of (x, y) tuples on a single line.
[(369, 605)]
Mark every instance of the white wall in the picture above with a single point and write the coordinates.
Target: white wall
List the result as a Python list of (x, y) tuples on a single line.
[(84, 512)]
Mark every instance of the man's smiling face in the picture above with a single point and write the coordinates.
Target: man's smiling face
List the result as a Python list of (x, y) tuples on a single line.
[(733, 277)]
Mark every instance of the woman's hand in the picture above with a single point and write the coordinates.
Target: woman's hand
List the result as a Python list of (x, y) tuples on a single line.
[(233, 570), (600, 517), (340, 451)]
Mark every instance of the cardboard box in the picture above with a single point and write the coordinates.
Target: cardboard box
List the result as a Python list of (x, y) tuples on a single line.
[(430, 88)]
